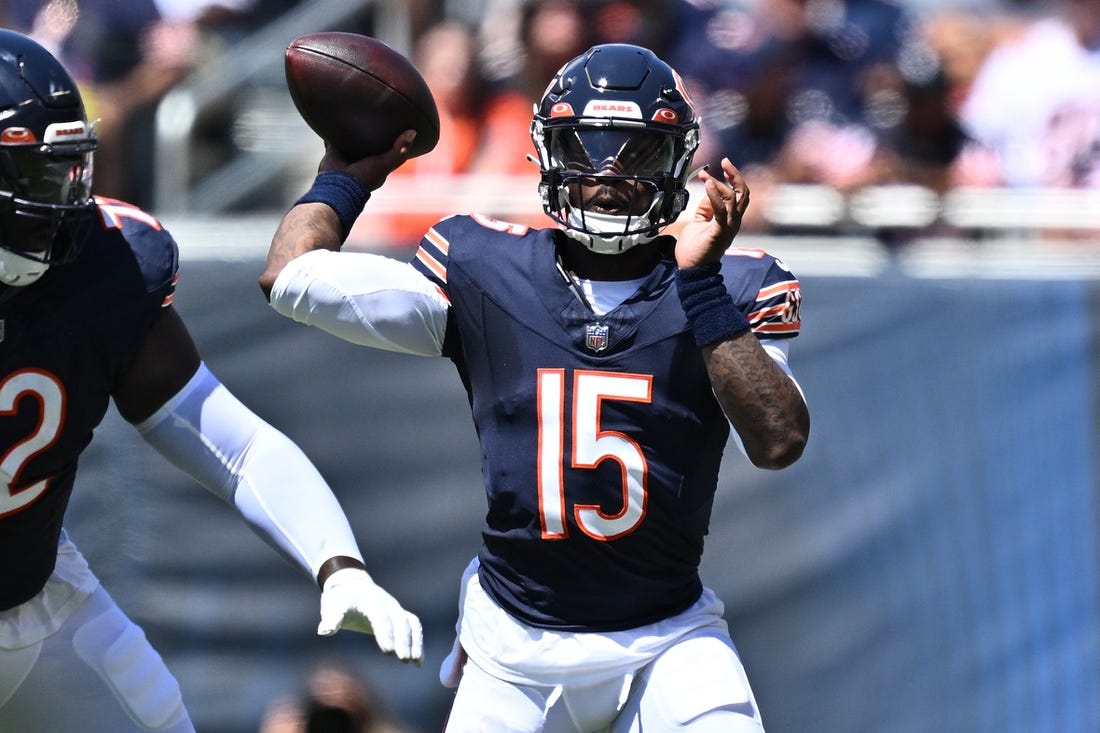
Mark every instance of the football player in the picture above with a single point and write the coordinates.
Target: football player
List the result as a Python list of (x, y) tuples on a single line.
[(86, 316), (604, 363)]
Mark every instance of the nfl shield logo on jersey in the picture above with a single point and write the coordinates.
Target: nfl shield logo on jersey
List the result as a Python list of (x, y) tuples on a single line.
[(595, 337)]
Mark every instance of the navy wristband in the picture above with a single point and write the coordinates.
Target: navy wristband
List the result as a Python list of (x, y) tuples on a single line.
[(342, 193), (710, 310)]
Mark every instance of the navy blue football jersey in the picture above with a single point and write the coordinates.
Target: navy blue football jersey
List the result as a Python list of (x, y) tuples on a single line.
[(64, 342), (600, 436)]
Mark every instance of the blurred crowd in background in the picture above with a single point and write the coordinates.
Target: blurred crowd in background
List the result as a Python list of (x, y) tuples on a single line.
[(126, 55), (844, 93)]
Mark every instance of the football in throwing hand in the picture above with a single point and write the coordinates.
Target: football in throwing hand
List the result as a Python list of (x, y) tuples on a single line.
[(359, 94)]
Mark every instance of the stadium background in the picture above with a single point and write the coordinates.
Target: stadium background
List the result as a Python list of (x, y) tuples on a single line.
[(930, 564)]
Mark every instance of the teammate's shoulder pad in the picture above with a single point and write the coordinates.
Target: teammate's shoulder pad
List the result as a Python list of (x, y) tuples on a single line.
[(153, 247)]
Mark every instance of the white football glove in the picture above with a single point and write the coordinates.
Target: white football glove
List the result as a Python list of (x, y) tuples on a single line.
[(352, 600)]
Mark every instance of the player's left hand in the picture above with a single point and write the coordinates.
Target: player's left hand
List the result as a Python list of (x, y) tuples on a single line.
[(717, 218), (351, 600)]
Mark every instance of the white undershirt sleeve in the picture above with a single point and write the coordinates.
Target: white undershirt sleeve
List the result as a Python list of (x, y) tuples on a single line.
[(208, 433), (364, 298)]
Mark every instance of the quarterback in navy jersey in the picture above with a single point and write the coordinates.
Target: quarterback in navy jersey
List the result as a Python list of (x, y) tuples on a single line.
[(604, 362), (86, 317)]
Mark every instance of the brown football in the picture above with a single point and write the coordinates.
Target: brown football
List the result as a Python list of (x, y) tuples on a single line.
[(359, 94)]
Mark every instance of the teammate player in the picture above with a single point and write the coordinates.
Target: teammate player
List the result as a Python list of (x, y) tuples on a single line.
[(604, 364), (86, 316)]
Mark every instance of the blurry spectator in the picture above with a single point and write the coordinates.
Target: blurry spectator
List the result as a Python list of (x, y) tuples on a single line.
[(963, 39), (124, 103), (483, 129), (548, 33), (126, 56), (197, 11), (525, 42), (225, 21), (926, 143), (551, 32), (843, 93), (829, 64), (1035, 102), (909, 131), (119, 61), (336, 700), (647, 23)]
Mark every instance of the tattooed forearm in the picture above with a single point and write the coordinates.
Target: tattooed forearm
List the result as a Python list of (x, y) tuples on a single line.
[(761, 401), (305, 228)]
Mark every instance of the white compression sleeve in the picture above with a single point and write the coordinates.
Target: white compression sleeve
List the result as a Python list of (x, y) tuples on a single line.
[(207, 432), (364, 298)]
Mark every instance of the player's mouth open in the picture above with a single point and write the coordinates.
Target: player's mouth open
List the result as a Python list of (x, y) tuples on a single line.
[(608, 201)]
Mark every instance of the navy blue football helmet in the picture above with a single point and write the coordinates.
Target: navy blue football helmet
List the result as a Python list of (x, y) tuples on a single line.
[(615, 117), (46, 147)]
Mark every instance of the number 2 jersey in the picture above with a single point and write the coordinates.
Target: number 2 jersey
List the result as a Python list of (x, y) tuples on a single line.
[(64, 342), (600, 436)]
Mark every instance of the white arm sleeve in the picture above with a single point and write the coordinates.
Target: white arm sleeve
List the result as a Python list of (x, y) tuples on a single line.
[(364, 298), (207, 432)]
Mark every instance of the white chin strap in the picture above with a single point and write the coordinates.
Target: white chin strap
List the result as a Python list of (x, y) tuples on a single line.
[(606, 233), (17, 270), (610, 244)]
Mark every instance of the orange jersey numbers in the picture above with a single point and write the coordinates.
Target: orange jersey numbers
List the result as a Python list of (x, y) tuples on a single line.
[(591, 445), (50, 395)]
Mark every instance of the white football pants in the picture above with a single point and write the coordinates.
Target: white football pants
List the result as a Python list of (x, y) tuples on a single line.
[(697, 685), (96, 674)]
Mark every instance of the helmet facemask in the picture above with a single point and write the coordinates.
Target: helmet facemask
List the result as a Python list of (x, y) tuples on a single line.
[(45, 202), (613, 187)]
